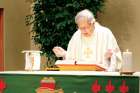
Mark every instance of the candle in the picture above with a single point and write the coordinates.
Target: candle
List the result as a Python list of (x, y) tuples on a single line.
[(127, 61), (32, 60)]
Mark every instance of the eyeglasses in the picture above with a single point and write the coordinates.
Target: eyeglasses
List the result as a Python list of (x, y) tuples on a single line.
[(86, 27)]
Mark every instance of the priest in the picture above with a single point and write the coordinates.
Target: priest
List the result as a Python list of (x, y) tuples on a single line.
[(92, 44)]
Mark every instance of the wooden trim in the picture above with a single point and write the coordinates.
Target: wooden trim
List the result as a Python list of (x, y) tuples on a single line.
[(1, 41)]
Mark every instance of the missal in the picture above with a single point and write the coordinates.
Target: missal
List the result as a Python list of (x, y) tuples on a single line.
[(71, 65)]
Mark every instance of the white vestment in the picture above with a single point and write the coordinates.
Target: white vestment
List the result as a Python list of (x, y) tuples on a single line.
[(92, 49)]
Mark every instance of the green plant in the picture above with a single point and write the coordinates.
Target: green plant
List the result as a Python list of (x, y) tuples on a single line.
[(53, 21)]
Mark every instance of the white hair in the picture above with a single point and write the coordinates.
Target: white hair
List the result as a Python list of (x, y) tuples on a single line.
[(85, 13)]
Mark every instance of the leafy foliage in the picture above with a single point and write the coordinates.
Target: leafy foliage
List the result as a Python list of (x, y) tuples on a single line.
[(53, 21)]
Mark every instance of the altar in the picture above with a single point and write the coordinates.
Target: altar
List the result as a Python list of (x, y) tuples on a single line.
[(68, 82)]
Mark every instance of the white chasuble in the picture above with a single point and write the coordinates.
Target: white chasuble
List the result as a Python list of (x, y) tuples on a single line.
[(91, 50)]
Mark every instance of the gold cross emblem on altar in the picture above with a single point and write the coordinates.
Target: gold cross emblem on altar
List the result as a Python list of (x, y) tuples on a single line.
[(88, 52)]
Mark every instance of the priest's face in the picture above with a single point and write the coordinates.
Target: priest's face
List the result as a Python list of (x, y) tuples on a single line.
[(85, 27)]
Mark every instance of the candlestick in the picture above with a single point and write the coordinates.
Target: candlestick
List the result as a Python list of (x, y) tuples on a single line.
[(127, 61), (32, 60)]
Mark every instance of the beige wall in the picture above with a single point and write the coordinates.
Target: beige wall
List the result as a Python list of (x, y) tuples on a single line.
[(123, 18), (16, 35)]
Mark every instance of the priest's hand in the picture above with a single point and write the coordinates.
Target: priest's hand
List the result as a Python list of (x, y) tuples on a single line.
[(59, 51), (108, 54)]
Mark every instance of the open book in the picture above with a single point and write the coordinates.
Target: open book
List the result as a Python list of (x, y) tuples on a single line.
[(71, 65)]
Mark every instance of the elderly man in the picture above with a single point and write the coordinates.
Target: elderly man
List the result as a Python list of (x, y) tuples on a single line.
[(92, 43)]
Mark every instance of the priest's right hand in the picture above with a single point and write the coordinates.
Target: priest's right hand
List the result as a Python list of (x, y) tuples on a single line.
[(59, 51)]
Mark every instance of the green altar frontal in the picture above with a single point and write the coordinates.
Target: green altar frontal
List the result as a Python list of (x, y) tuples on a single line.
[(67, 82)]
